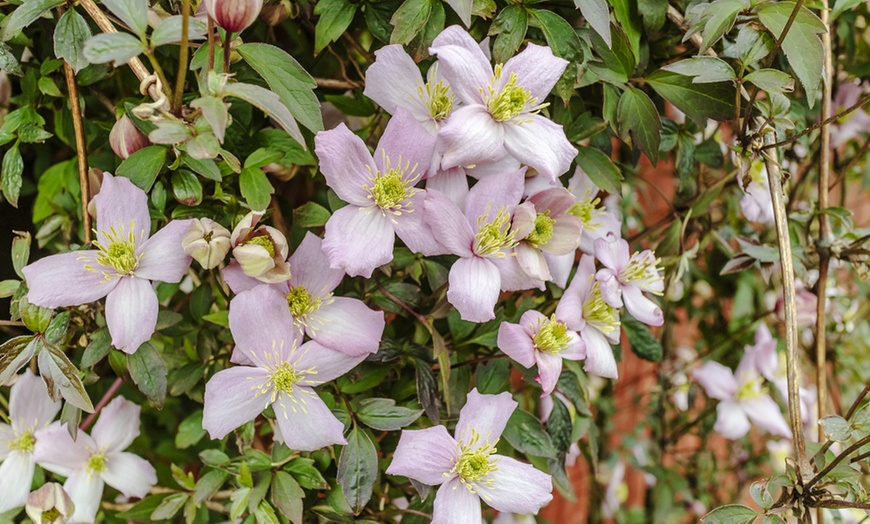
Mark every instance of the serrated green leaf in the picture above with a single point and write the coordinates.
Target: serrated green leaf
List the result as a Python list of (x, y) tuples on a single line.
[(730, 514), (310, 214), (10, 174), (287, 496), (510, 25), (597, 15), (70, 35), (169, 506), (15, 353), (143, 166), (117, 48), (148, 371), (26, 14), (8, 62), (639, 118), (335, 17), (134, 13), (255, 188), (642, 342), (722, 15), (559, 34), (600, 169), (384, 415), (358, 469), (771, 80), (698, 101), (61, 377), (267, 102), (703, 69), (209, 484), (526, 434), (409, 20)]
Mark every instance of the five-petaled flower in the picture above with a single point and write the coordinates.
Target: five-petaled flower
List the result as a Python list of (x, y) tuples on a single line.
[(626, 276)]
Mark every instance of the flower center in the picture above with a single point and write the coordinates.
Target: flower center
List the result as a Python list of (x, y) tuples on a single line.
[(438, 98), (585, 211), (642, 269), (96, 463), (391, 191), (750, 388), (265, 242), (552, 336), (510, 100), (543, 231), (285, 377), (119, 254), (23, 443), (494, 237), (301, 302), (598, 313), (475, 463), (50, 515)]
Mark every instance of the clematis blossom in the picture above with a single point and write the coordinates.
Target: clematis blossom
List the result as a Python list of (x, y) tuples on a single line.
[(383, 201), (625, 277), (30, 410), (341, 323), (261, 251), (544, 226), (500, 106), (542, 341), (467, 467), (281, 373), (121, 269), (92, 461)]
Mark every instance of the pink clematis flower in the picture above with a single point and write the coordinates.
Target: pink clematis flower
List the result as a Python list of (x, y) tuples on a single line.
[(30, 410), (546, 229), (260, 251), (341, 323), (542, 341), (625, 277), (756, 204), (482, 237), (742, 398), (91, 461), (584, 310), (123, 265), (381, 193), (281, 374), (501, 106), (467, 467)]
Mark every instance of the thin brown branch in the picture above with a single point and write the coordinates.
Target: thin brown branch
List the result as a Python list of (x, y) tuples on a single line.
[(14, 323), (182, 58), (211, 44), (861, 103), (857, 157), (332, 83), (833, 464), (680, 21)]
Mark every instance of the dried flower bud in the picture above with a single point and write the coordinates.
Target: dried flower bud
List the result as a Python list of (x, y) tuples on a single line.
[(207, 242), (49, 504), (126, 138), (234, 15), (261, 251)]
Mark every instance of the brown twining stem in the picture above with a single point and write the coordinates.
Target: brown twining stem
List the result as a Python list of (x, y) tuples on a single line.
[(102, 403), (182, 57), (211, 44), (858, 105), (774, 174), (839, 458), (81, 146)]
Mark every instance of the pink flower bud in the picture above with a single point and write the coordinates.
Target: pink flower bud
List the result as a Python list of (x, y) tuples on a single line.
[(207, 242), (261, 251), (126, 138), (234, 15), (49, 504)]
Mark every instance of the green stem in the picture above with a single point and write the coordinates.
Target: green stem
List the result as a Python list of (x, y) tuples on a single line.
[(182, 58)]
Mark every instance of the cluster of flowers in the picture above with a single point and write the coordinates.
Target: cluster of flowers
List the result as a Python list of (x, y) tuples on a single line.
[(511, 231)]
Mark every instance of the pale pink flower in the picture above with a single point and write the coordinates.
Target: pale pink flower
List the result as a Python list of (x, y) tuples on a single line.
[(545, 226), (125, 262), (207, 242), (467, 468), (625, 277), (234, 15), (261, 251), (91, 461), (49, 504), (756, 203)]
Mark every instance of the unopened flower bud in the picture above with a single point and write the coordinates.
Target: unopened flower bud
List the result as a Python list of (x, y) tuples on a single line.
[(126, 138), (261, 251), (207, 242), (36, 318), (49, 504), (234, 15)]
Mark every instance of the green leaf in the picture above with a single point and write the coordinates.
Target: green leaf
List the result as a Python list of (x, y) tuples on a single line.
[(642, 342), (860, 421), (771, 80), (639, 118), (69, 39), (618, 60), (493, 377), (256, 188), (215, 112), (26, 14), (335, 17), (209, 484), (61, 378), (265, 514), (144, 508), (190, 431), (20, 252), (559, 426), (358, 469), (703, 69), (134, 13), (625, 13), (526, 434), (510, 25), (117, 48), (15, 353), (384, 415), (57, 327), (699, 101), (722, 13), (269, 103), (730, 514), (169, 31), (597, 15), (261, 158), (753, 45), (601, 170), (186, 188), (98, 348), (306, 474), (205, 167), (8, 288), (169, 506), (287, 496), (310, 214), (409, 20), (841, 6), (143, 166), (559, 34), (836, 428), (802, 44), (10, 175), (8, 62), (148, 371)]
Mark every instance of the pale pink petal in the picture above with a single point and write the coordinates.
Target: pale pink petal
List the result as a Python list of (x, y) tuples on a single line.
[(347, 325), (470, 136), (537, 70), (539, 143), (238, 281), (62, 280), (765, 413), (523, 220), (86, 491), (131, 313), (473, 287), (412, 228), (576, 348), (599, 356), (309, 268), (532, 262), (393, 80), (556, 200), (57, 452), (7, 435), (118, 425), (566, 236), (463, 64), (549, 369), (358, 240), (405, 142), (449, 226), (486, 414), (570, 307), (130, 474), (163, 258), (452, 182), (16, 475), (731, 421), (513, 278), (262, 326), (717, 380), (424, 455), (305, 421), (120, 203), (641, 307), (493, 193), (232, 398), (463, 9), (515, 342), (328, 364), (517, 487), (560, 267), (456, 504), (612, 252), (30, 407), (530, 320), (610, 286), (343, 161)]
